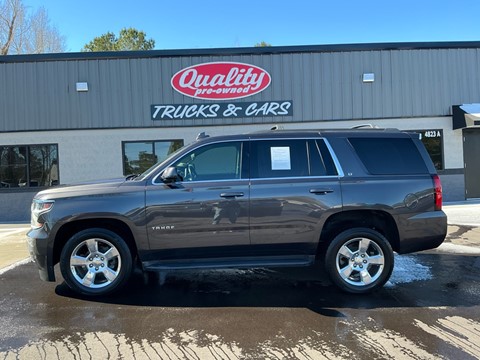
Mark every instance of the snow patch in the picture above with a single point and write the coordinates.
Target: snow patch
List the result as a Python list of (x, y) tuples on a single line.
[(407, 270)]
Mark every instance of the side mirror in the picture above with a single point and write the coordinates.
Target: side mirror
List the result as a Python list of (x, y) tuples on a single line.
[(170, 175)]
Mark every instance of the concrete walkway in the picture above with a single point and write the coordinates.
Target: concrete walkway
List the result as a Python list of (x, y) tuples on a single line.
[(13, 244), (463, 234)]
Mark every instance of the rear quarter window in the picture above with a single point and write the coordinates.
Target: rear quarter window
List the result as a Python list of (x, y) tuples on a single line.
[(389, 156)]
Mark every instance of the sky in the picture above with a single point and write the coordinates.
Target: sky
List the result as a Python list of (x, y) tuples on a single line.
[(185, 24)]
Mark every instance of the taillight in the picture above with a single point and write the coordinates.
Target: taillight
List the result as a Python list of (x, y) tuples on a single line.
[(438, 192)]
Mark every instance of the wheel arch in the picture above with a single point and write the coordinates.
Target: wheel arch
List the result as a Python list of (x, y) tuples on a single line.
[(67, 230), (380, 221)]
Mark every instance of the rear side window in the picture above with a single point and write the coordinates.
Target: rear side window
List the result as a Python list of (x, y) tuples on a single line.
[(389, 156), (291, 158), (321, 162)]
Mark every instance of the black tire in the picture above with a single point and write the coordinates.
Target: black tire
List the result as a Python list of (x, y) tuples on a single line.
[(96, 262), (359, 260)]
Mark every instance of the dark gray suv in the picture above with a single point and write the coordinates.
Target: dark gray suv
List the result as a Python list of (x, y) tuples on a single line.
[(276, 198)]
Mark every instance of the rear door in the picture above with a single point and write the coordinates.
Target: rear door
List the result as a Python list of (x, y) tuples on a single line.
[(294, 188)]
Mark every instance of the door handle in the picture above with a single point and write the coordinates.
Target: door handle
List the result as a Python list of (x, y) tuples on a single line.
[(231, 194), (321, 191)]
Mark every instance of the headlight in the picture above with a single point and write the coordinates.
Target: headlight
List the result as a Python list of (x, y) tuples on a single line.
[(40, 207)]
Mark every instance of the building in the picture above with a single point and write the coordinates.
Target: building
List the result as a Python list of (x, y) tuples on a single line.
[(75, 117)]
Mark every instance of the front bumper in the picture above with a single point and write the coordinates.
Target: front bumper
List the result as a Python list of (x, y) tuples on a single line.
[(41, 253)]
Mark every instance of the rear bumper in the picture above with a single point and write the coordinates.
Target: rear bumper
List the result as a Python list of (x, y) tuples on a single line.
[(40, 253), (423, 231)]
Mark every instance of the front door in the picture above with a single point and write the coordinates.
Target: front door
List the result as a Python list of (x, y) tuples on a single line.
[(205, 214), (471, 154)]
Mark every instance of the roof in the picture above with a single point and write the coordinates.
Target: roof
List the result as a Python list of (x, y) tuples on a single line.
[(269, 50)]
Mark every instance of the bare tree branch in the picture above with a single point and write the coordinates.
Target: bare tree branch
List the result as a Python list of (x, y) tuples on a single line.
[(22, 33)]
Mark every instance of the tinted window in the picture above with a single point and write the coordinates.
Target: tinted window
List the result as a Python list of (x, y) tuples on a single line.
[(321, 162), (28, 166), (389, 156), (221, 161), (279, 158)]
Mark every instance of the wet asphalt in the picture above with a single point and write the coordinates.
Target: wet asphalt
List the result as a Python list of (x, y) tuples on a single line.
[(429, 310)]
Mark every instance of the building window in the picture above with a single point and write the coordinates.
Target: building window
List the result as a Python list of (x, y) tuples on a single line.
[(138, 156), (432, 139), (28, 166)]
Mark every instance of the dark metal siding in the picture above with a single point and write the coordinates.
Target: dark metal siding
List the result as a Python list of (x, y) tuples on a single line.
[(40, 95)]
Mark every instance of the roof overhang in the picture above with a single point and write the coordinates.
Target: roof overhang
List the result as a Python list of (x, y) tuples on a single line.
[(466, 116)]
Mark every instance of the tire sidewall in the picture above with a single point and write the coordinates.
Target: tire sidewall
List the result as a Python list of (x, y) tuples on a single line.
[(97, 233), (344, 237)]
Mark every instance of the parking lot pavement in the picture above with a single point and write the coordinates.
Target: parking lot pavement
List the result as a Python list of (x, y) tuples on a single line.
[(13, 244), (428, 310), (463, 236), (463, 212)]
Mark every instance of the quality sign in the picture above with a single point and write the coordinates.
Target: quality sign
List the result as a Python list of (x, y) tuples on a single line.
[(221, 80)]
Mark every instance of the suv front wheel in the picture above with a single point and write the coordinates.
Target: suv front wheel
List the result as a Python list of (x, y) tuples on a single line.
[(96, 262), (359, 260)]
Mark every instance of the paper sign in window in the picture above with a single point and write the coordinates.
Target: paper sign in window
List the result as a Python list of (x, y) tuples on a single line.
[(280, 158)]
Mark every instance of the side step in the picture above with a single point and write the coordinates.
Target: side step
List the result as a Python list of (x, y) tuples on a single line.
[(226, 263)]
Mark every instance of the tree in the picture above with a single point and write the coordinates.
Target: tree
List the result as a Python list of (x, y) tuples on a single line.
[(24, 33), (128, 39), (262, 44)]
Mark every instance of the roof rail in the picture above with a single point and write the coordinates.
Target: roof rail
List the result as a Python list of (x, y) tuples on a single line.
[(202, 135), (363, 126)]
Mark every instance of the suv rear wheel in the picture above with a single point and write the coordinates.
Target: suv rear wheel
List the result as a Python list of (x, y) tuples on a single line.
[(359, 260), (96, 262)]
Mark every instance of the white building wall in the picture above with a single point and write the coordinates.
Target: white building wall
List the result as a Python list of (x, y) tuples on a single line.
[(97, 154)]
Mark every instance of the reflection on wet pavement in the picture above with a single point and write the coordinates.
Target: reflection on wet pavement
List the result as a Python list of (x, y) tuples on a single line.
[(366, 339), (430, 310)]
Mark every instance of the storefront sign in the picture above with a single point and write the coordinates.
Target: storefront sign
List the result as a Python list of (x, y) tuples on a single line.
[(221, 80), (222, 110)]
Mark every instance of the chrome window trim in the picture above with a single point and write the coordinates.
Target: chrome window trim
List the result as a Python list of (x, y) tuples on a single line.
[(339, 169), (298, 178), (340, 172)]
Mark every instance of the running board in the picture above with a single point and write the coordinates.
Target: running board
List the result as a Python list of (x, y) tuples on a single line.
[(187, 264)]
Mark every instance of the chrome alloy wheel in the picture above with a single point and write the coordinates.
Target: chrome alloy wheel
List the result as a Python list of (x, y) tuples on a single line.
[(360, 261), (95, 263)]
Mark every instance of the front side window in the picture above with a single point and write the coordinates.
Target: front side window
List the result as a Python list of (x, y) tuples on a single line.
[(138, 156), (222, 161), (28, 166)]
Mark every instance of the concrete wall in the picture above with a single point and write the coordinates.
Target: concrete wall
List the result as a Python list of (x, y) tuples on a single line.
[(15, 206)]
